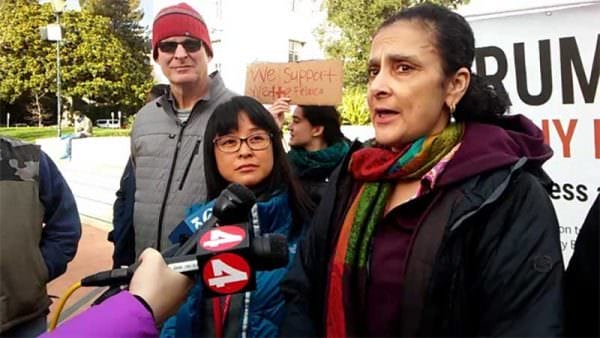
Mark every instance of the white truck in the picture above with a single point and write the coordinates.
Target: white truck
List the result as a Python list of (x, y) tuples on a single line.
[(545, 55)]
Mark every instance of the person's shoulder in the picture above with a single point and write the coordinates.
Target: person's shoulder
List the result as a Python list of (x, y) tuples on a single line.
[(14, 142), (12, 147), (151, 106), (151, 112), (219, 89)]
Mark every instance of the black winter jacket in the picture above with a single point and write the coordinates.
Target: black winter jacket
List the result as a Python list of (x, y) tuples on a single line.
[(497, 269), (582, 282), (123, 235)]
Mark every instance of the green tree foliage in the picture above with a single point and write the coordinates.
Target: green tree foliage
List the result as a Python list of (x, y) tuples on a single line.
[(98, 64), (125, 17), (26, 62), (354, 108), (356, 21)]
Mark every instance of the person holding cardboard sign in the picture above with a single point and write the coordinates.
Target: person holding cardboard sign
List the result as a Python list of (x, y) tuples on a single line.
[(317, 143), (442, 225)]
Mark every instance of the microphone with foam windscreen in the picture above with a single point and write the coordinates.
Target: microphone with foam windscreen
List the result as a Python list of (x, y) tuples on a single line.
[(231, 206)]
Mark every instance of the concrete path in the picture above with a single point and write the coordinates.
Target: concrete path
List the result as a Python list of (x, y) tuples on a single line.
[(93, 173)]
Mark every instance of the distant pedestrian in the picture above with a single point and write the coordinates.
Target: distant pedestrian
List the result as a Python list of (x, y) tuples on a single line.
[(82, 129), (39, 234)]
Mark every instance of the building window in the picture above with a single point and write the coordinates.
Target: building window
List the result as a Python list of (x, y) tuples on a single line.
[(294, 50)]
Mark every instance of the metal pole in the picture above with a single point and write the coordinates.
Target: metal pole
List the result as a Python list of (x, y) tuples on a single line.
[(58, 105)]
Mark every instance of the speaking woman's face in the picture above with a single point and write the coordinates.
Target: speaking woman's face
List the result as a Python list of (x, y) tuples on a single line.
[(407, 86), (244, 156)]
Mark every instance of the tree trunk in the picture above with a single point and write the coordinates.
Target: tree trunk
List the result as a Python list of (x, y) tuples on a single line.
[(39, 109)]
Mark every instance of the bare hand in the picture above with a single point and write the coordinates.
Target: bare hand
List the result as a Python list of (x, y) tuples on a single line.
[(162, 288), (278, 110)]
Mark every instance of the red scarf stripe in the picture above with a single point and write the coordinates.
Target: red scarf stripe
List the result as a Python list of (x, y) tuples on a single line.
[(336, 319)]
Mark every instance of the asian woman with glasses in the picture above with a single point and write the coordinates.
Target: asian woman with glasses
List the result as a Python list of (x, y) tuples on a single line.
[(242, 144)]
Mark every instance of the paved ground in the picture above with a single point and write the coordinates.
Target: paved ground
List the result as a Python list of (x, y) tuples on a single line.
[(93, 255), (93, 173)]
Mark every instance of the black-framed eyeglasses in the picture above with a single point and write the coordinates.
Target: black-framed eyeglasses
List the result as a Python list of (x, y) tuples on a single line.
[(232, 144), (190, 45)]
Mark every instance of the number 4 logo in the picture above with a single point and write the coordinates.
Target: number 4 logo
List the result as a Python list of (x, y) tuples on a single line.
[(226, 273), (222, 238)]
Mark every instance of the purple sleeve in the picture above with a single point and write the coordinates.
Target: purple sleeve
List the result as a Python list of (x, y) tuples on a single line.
[(119, 316)]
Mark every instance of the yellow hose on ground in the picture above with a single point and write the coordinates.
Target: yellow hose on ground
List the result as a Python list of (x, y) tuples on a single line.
[(61, 304)]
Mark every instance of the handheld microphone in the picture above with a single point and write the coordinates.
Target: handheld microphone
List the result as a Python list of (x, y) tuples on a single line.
[(234, 257), (232, 206)]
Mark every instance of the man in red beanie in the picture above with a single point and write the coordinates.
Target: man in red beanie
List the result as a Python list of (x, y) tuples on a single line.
[(166, 139)]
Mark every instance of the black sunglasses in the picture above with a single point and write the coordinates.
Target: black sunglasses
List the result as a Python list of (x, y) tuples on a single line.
[(189, 45)]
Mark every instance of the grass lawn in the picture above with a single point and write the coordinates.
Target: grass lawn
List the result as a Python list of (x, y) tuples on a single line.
[(32, 133)]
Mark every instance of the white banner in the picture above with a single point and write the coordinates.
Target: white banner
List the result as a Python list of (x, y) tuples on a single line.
[(548, 61)]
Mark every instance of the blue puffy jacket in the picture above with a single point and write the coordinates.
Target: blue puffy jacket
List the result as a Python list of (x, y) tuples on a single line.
[(265, 309)]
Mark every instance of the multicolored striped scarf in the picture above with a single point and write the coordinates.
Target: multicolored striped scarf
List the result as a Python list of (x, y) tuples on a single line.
[(377, 168)]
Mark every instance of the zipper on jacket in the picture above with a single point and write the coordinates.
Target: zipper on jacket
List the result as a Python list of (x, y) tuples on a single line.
[(168, 188), (189, 164)]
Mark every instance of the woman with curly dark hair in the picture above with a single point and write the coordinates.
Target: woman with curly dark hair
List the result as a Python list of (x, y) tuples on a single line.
[(442, 225)]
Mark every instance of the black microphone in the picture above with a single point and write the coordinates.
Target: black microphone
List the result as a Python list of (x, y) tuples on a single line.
[(231, 206), (234, 204)]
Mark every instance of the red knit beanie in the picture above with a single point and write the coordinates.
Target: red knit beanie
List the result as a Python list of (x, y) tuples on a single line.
[(179, 20)]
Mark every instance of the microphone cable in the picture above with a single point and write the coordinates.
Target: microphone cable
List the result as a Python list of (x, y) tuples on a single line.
[(61, 304)]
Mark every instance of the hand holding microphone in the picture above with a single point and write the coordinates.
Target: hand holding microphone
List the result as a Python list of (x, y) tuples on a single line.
[(162, 288)]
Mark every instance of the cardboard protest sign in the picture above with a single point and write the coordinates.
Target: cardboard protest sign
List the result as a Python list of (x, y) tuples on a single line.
[(305, 82)]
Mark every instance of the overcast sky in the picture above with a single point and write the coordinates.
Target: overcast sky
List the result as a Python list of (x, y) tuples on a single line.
[(474, 6)]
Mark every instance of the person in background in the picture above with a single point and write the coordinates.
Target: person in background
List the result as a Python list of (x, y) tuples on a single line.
[(317, 147), (39, 234), (317, 144), (582, 295), (82, 129), (155, 293), (123, 236), (443, 224), (166, 138), (243, 146)]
